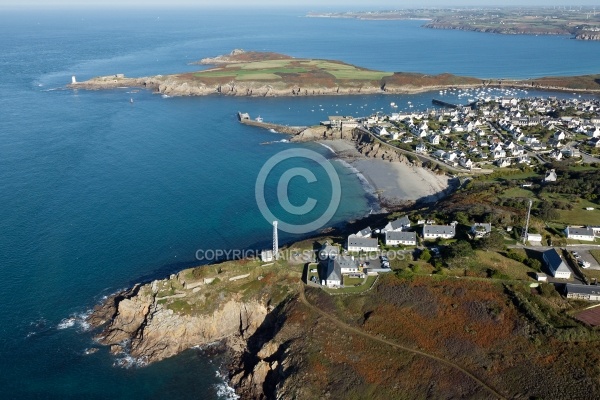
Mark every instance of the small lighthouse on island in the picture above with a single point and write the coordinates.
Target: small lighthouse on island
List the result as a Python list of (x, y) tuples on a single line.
[(73, 80)]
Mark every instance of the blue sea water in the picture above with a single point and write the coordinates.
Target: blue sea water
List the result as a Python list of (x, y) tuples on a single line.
[(98, 193)]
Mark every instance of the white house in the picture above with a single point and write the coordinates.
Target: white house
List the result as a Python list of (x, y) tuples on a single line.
[(438, 231), (594, 132), (480, 230), (586, 234), (499, 154), (465, 163), (550, 176), (397, 225), (556, 154), (365, 233), (395, 238), (336, 267), (582, 292), (557, 267), (356, 243), (503, 162), (421, 148), (434, 139)]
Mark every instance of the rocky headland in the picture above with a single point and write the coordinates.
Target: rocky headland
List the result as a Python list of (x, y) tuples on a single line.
[(264, 74)]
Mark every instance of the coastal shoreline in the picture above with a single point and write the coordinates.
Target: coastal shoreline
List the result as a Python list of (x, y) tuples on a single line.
[(183, 89), (393, 183)]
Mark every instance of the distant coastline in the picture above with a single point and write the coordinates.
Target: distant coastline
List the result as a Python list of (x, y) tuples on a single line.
[(580, 24)]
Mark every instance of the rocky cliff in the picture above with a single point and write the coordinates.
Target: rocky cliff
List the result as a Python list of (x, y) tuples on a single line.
[(365, 143), (149, 331), (188, 85), (588, 36), (196, 307)]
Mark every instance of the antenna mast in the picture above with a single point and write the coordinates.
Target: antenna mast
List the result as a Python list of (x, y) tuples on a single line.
[(527, 223)]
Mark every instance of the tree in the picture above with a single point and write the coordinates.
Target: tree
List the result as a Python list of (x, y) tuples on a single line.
[(425, 255), (493, 241), (460, 249), (547, 212)]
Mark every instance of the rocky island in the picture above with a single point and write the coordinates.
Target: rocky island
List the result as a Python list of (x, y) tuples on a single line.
[(264, 74)]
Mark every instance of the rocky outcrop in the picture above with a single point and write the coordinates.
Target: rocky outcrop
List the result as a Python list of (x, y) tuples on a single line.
[(178, 85), (222, 59), (588, 36), (140, 324), (364, 142)]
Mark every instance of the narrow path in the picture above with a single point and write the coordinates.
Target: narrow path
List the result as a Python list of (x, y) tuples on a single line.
[(370, 336)]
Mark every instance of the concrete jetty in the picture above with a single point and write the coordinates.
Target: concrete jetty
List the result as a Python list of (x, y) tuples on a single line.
[(288, 130), (450, 105)]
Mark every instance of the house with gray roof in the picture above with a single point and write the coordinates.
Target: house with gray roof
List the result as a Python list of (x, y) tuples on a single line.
[(397, 225), (582, 292), (480, 230), (356, 243), (365, 233), (395, 238), (556, 265), (336, 267), (431, 232), (586, 234), (327, 251)]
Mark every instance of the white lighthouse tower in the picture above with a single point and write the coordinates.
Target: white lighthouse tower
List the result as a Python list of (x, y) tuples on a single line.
[(275, 242), (73, 80)]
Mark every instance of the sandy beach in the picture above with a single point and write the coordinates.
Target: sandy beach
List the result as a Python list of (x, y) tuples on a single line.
[(394, 182)]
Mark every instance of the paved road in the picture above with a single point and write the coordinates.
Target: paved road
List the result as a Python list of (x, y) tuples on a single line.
[(346, 327), (423, 157)]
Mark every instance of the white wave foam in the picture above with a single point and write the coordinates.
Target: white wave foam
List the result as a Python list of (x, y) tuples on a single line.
[(127, 361), (224, 391), (328, 148), (66, 323), (79, 319)]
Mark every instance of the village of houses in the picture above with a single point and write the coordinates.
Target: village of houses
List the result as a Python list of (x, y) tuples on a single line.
[(362, 255), (497, 134)]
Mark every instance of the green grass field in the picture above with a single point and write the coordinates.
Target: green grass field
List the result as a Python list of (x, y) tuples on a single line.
[(271, 70), (580, 216)]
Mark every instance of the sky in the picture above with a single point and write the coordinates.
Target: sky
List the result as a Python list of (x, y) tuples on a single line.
[(339, 5)]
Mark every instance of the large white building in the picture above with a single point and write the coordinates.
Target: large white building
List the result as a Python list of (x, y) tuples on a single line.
[(556, 265), (438, 231), (356, 243), (586, 234), (336, 267), (583, 292), (395, 238)]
